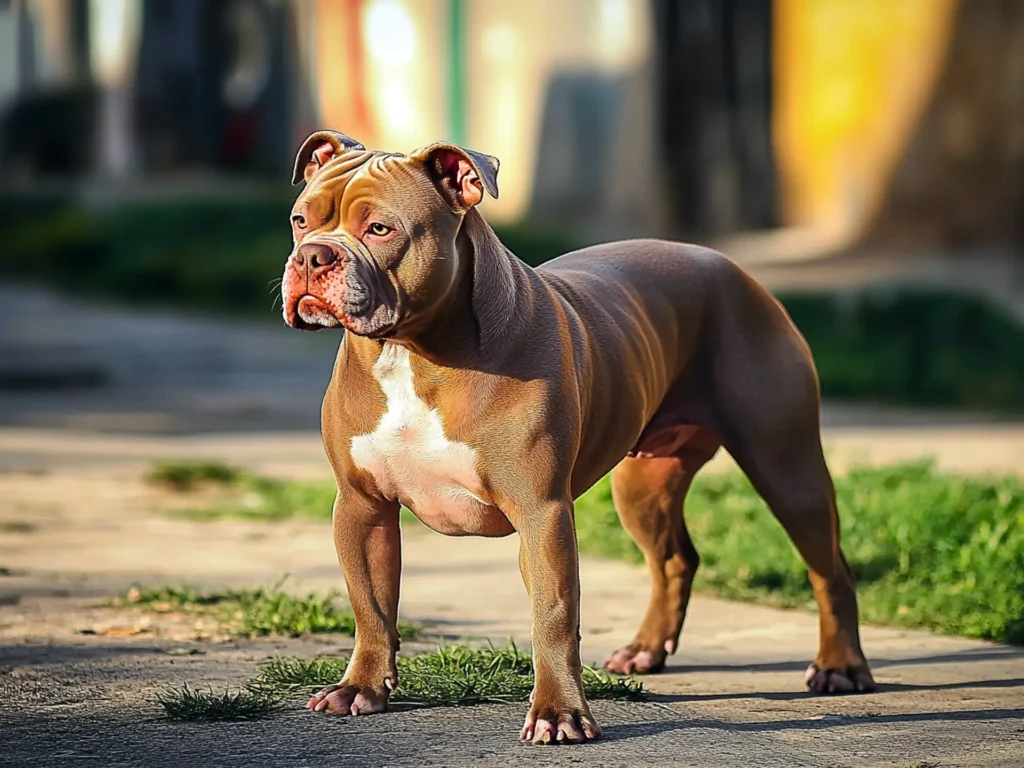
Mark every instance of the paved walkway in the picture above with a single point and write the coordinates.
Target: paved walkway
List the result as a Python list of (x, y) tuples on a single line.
[(733, 695)]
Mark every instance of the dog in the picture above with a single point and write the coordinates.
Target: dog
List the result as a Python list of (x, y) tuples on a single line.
[(485, 396)]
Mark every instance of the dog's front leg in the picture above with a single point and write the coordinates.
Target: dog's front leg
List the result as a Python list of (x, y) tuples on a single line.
[(368, 542), (559, 712)]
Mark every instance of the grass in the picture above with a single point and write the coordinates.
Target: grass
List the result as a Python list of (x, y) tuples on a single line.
[(190, 475), (933, 550), (242, 495), (930, 549), (193, 705), (254, 612), (452, 676)]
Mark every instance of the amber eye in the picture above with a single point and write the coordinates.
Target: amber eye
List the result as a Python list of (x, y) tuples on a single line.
[(299, 221), (378, 229)]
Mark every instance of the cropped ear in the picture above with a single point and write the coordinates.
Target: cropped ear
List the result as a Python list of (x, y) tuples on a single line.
[(318, 149), (461, 175)]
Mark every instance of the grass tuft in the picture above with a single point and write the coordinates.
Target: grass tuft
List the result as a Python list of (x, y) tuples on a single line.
[(254, 612), (242, 495), (194, 706), (189, 475), (451, 676)]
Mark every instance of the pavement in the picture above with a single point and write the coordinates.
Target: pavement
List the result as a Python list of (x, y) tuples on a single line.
[(78, 525)]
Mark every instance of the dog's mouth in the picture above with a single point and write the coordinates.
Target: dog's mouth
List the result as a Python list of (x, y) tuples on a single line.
[(311, 314)]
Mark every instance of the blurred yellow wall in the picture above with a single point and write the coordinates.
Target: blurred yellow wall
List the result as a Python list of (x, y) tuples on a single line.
[(851, 79)]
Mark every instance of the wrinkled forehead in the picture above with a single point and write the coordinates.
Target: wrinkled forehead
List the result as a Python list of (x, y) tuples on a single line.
[(365, 170)]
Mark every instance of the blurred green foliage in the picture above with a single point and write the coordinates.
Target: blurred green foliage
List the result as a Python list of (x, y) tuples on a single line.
[(920, 346), (913, 346), (248, 612), (221, 255)]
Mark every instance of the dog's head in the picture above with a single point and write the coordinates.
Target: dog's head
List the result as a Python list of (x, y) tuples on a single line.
[(374, 233)]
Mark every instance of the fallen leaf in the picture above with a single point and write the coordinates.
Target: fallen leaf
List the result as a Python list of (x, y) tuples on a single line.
[(120, 631)]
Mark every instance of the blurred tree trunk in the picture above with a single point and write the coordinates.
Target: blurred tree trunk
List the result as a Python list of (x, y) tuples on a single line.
[(713, 63), (960, 182)]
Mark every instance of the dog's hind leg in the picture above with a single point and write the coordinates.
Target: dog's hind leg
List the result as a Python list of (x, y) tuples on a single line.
[(649, 495), (768, 416), (791, 475)]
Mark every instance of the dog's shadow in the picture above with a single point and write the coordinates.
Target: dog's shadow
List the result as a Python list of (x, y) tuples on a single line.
[(883, 688), (629, 731), (993, 653), (974, 655)]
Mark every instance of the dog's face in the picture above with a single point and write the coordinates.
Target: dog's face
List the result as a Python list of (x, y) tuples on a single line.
[(374, 233)]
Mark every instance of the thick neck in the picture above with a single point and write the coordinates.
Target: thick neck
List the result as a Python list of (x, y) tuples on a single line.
[(482, 305)]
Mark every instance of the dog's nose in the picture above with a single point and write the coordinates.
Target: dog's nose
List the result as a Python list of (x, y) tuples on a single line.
[(312, 255)]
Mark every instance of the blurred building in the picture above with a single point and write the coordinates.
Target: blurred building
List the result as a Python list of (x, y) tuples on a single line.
[(819, 120)]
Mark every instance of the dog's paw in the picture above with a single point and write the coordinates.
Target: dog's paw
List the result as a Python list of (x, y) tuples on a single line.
[(346, 699), (848, 680), (546, 725), (635, 659)]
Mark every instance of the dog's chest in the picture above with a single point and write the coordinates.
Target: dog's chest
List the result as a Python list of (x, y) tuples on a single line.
[(412, 459)]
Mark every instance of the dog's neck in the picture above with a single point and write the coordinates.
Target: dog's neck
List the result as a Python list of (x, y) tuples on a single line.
[(499, 284), (483, 306)]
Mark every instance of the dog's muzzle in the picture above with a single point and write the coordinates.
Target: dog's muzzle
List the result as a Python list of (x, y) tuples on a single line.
[(323, 287)]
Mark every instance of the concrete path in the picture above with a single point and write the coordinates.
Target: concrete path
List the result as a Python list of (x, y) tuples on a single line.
[(79, 526)]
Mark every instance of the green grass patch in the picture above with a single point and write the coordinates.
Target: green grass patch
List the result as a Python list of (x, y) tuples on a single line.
[(254, 612), (451, 676), (190, 475), (934, 550), (241, 495), (193, 705)]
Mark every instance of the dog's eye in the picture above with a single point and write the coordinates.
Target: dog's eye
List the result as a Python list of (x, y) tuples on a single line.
[(299, 221), (378, 229)]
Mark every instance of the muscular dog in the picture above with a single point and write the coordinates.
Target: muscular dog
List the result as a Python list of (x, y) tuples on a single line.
[(486, 396)]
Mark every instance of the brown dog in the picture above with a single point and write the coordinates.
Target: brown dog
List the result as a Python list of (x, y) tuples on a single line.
[(486, 396)]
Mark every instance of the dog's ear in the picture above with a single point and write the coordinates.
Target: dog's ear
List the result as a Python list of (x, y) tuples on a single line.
[(461, 175), (318, 149)]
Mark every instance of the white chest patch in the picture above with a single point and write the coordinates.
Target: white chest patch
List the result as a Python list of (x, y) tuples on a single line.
[(411, 458)]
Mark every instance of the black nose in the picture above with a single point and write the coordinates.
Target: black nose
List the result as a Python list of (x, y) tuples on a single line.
[(315, 254)]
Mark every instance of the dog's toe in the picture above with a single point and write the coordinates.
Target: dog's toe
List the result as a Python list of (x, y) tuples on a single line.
[(344, 700), (831, 680), (550, 728), (633, 660)]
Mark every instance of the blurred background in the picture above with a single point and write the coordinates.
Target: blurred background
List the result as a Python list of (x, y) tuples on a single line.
[(865, 160)]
